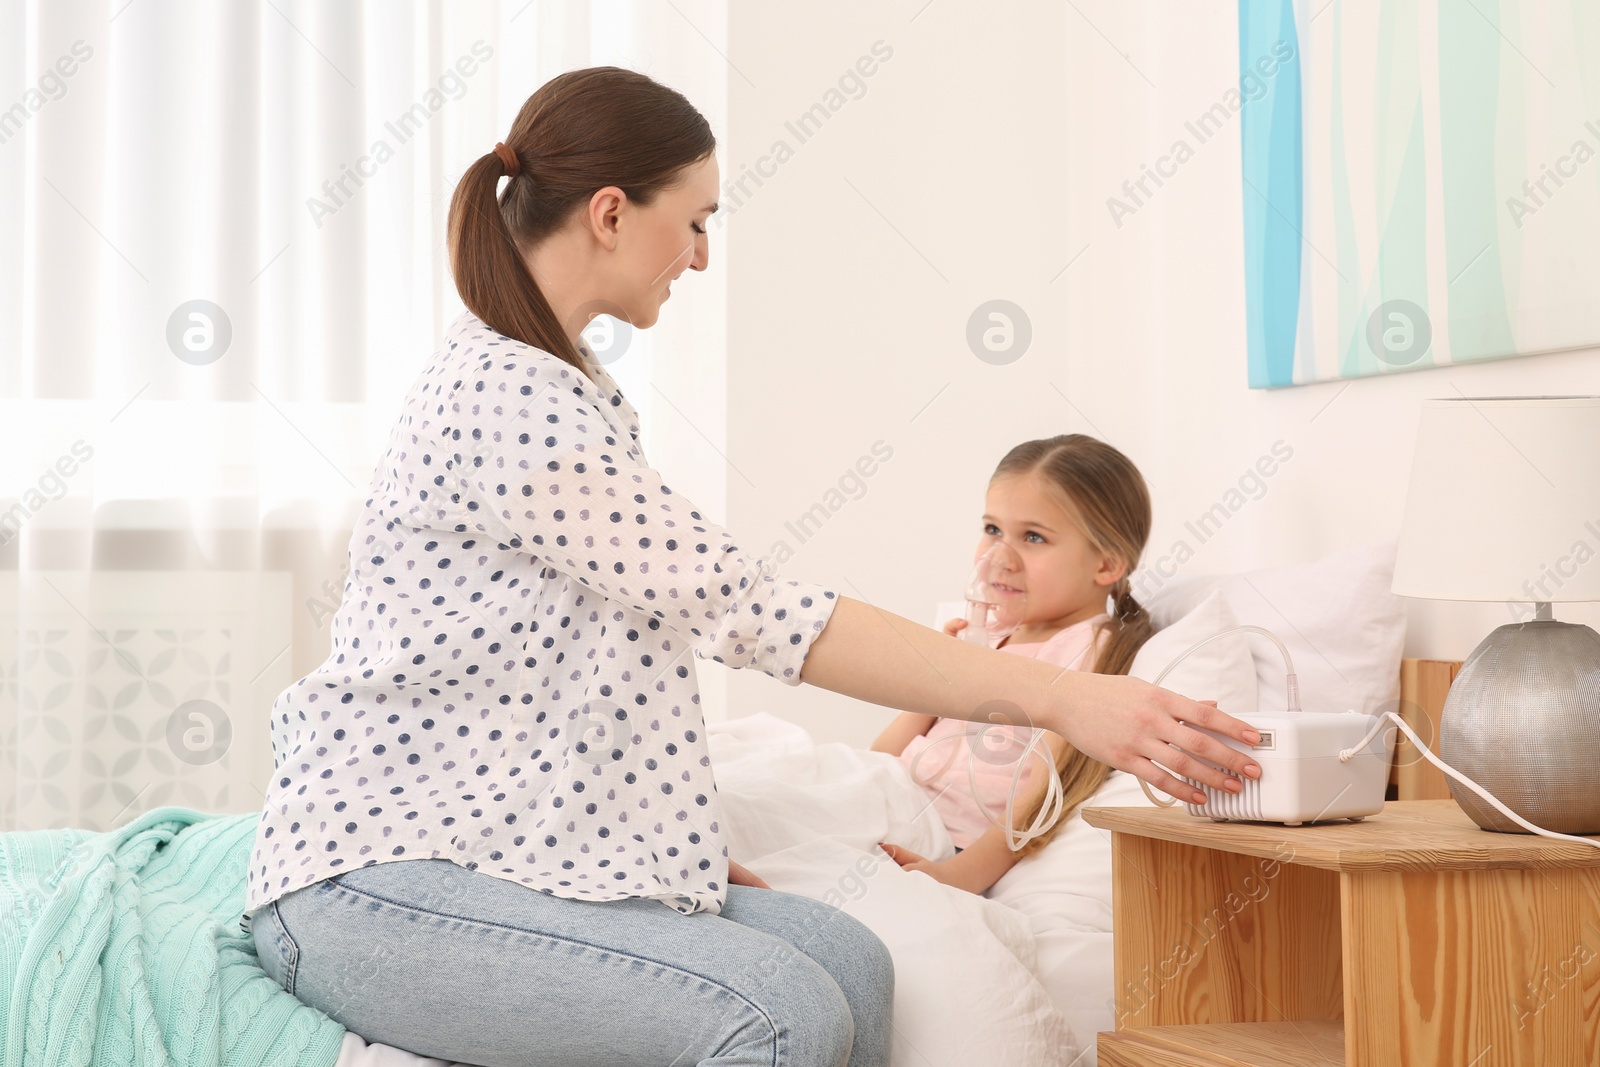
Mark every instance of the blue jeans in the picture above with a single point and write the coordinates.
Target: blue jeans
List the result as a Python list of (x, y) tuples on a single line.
[(428, 956)]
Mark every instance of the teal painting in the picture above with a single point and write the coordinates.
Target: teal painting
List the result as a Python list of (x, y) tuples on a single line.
[(1421, 186)]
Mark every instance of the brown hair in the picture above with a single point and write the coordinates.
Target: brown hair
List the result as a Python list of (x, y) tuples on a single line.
[(1107, 498), (581, 131)]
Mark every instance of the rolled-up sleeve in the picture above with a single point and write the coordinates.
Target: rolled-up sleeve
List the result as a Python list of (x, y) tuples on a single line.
[(532, 456)]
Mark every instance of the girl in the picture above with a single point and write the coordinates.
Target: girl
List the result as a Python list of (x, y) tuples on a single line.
[(1077, 513)]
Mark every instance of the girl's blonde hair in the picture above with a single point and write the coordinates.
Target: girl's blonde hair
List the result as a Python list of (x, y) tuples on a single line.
[(1107, 498)]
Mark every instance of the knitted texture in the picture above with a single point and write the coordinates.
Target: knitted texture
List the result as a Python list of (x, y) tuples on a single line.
[(125, 948)]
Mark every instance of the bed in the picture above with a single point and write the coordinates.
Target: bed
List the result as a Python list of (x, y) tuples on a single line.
[(1020, 975)]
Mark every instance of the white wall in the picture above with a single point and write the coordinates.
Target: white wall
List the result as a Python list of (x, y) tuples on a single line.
[(976, 166)]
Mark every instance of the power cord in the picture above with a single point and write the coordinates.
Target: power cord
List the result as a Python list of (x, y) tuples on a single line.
[(1346, 755)]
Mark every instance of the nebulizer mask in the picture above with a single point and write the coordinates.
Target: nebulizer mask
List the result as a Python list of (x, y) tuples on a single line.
[(995, 608)]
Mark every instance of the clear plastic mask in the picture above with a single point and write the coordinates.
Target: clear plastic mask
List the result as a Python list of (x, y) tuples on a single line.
[(995, 607)]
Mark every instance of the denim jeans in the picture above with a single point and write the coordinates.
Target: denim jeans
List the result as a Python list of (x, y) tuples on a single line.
[(425, 955)]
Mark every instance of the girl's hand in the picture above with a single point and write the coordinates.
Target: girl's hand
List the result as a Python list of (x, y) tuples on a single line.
[(951, 626), (1130, 724), (908, 860), (939, 870), (738, 875)]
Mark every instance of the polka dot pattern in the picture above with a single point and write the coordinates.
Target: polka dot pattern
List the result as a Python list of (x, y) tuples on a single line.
[(512, 684)]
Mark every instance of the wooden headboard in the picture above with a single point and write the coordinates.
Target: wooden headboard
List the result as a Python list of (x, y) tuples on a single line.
[(1424, 684)]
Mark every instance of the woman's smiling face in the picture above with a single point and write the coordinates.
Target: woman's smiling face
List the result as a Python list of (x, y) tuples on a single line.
[(659, 241), (1065, 578)]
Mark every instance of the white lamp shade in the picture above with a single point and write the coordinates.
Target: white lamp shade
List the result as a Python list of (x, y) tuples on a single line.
[(1504, 501)]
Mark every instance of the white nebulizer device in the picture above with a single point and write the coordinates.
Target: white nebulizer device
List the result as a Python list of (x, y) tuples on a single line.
[(1315, 766), (1306, 775)]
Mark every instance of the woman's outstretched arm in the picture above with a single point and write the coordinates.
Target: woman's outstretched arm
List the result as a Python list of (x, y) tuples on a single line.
[(883, 658)]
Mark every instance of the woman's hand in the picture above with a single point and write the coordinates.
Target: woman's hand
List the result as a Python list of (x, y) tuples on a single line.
[(738, 875), (1130, 724)]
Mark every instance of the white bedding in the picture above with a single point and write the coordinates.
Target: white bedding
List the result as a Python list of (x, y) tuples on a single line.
[(975, 982), (807, 818)]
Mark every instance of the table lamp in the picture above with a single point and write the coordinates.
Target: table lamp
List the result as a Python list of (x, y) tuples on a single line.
[(1504, 505)]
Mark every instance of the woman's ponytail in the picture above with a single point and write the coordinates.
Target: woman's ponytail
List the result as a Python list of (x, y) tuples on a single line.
[(489, 269)]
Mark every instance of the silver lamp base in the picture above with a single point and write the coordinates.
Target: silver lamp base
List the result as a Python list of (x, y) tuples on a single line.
[(1522, 719)]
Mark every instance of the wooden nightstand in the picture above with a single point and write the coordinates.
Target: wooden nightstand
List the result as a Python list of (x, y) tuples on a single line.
[(1412, 939)]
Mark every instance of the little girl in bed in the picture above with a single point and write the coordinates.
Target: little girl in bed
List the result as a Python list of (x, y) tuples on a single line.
[(1077, 513)]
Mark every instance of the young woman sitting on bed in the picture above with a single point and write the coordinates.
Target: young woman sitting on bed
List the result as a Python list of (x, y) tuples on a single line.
[(1077, 513)]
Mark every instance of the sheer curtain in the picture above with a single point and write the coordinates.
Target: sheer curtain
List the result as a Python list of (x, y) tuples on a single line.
[(222, 264)]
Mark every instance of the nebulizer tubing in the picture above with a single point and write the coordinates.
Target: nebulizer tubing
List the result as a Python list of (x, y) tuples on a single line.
[(1292, 686), (1049, 812)]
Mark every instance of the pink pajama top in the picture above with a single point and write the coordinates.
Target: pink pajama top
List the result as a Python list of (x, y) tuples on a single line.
[(943, 772)]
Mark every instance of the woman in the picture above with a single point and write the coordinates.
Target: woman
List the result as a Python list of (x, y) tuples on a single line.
[(486, 793)]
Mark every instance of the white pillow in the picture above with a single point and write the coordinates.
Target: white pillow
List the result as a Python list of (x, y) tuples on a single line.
[(1344, 629)]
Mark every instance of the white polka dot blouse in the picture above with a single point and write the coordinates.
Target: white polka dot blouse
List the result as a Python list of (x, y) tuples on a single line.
[(510, 685)]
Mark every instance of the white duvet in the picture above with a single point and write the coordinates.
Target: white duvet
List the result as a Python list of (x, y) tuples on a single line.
[(1021, 976)]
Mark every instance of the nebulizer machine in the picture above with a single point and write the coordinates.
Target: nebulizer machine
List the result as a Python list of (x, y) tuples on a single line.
[(1315, 766)]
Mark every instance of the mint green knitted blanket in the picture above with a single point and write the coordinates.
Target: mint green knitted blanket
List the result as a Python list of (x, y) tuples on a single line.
[(125, 948)]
